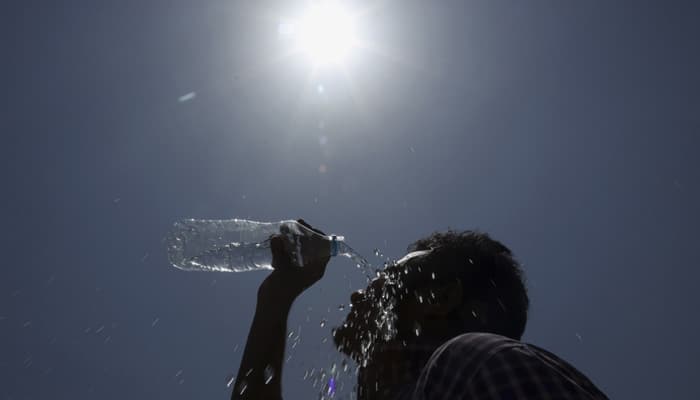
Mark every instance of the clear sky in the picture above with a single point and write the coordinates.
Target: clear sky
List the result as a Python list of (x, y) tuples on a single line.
[(566, 129)]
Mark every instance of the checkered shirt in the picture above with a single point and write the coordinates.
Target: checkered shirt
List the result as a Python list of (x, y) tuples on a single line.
[(485, 366)]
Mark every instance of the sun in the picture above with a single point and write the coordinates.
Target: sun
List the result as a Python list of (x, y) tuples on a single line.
[(325, 33)]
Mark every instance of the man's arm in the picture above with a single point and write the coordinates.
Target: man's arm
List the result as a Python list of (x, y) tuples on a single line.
[(260, 373)]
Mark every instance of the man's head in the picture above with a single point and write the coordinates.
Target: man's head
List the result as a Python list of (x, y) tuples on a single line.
[(449, 283)]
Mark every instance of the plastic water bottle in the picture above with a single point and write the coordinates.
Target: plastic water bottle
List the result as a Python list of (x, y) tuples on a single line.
[(236, 245)]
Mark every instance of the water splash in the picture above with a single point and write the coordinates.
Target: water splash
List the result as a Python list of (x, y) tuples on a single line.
[(361, 263)]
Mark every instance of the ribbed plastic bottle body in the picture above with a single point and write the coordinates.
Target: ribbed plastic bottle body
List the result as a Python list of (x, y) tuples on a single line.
[(232, 245)]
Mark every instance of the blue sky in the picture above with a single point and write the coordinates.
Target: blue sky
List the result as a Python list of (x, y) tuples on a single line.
[(567, 130)]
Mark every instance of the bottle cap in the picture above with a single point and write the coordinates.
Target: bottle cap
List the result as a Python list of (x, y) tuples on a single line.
[(334, 244)]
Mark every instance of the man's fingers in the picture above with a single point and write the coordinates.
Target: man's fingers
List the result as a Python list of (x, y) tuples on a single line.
[(306, 225), (315, 250), (280, 256)]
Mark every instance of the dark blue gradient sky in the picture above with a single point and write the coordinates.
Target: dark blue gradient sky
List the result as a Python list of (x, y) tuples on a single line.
[(566, 129)]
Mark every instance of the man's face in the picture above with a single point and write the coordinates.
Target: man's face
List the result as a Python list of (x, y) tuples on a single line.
[(373, 315)]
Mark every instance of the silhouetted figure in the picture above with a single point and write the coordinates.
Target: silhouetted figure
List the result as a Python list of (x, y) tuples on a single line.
[(460, 309)]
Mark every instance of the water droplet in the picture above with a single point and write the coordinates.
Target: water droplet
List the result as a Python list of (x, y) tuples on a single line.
[(500, 303), (242, 387), (417, 328), (341, 307), (268, 373), (187, 97), (323, 323), (229, 380), (432, 275)]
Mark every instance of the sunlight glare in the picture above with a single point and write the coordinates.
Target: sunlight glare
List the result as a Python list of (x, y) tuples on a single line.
[(326, 33)]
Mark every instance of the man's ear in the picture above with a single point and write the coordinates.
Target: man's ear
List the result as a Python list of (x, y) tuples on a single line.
[(442, 300)]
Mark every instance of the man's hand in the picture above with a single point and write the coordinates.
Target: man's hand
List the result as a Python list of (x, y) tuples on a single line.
[(288, 281)]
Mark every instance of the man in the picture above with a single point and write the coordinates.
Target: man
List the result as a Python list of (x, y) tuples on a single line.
[(444, 322)]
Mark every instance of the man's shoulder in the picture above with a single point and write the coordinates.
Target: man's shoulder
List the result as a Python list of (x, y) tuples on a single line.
[(477, 350), (486, 361), (474, 347), (458, 359), (479, 341)]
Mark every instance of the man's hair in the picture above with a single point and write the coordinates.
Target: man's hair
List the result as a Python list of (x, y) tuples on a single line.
[(488, 273)]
